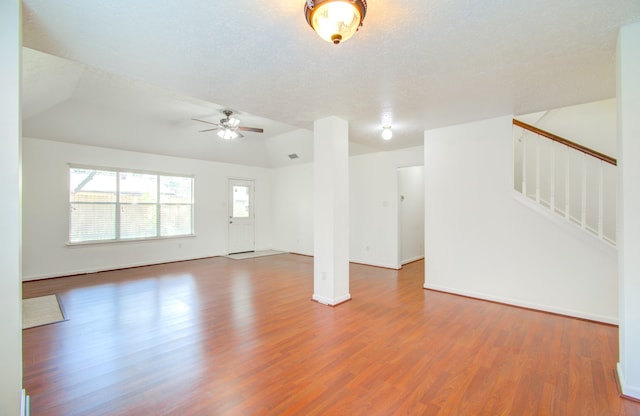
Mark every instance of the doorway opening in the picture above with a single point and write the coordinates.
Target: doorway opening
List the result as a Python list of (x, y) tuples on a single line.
[(410, 214)]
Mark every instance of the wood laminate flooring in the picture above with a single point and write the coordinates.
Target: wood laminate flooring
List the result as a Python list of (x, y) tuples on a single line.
[(222, 337)]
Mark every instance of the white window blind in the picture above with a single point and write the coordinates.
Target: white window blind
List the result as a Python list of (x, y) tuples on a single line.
[(112, 205)]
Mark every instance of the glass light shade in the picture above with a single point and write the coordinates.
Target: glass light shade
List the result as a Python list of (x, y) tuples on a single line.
[(336, 20), (387, 134), (227, 134)]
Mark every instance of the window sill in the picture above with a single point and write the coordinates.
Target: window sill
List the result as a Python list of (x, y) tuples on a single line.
[(125, 241)]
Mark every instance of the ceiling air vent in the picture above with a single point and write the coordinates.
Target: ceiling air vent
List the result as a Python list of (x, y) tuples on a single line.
[(294, 156)]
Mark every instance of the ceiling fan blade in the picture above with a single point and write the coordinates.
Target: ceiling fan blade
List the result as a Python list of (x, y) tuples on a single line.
[(253, 129), (202, 121), (202, 131)]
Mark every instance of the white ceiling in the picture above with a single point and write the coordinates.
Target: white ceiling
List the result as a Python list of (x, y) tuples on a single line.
[(135, 73)]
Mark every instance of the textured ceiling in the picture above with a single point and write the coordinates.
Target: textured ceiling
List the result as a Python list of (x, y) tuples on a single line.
[(427, 63)]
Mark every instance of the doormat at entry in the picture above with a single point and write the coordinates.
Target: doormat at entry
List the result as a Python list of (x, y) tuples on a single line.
[(43, 310)]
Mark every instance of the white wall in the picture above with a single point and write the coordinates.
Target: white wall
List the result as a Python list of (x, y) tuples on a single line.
[(482, 242), (373, 207), (10, 288), (590, 124), (293, 209), (411, 213), (46, 207)]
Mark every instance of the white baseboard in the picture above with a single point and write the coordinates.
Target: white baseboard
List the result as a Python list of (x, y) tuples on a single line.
[(300, 253), (411, 260), (132, 265), (383, 265), (524, 304), (356, 261), (25, 404), (331, 302), (108, 268), (629, 391)]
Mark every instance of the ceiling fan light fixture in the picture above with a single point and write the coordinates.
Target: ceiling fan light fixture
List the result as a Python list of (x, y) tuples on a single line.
[(335, 20), (233, 122), (229, 127), (228, 134)]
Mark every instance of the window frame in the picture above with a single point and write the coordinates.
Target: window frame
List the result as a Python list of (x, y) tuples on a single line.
[(118, 204)]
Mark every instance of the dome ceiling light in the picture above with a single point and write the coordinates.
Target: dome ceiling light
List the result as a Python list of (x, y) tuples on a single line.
[(387, 116), (387, 134), (335, 20)]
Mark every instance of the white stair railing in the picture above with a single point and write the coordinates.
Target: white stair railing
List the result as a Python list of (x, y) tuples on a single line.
[(566, 178)]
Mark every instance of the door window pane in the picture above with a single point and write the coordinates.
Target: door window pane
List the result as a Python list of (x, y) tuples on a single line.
[(240, 201)]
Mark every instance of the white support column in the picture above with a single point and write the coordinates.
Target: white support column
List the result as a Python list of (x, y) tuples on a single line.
[(331, 211), (10, 284), (628, 221)]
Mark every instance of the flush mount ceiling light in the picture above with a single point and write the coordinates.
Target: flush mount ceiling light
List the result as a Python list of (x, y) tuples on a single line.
[(335, 20), (387, 134), (387, 117)]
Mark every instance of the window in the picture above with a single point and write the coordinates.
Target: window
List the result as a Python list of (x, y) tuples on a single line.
[(111, 205), (240, 201)]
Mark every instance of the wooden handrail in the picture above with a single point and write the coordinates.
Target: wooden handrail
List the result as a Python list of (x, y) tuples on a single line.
[(569, 143)]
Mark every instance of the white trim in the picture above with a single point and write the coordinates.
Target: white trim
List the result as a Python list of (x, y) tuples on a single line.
[(411, 260), (299, 253), (126, 240), (110, 268), (630, 391), (524, 304), (25, 406), (383, 265), (356, 261), (128, 170), (331, 302)]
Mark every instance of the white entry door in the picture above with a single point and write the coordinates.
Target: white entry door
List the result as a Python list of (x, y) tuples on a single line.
[(241, 216)]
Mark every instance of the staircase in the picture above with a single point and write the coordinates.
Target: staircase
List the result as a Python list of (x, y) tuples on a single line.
[(567, 179)]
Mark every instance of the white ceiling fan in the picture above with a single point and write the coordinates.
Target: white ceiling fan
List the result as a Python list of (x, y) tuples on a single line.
[(229, 127)]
